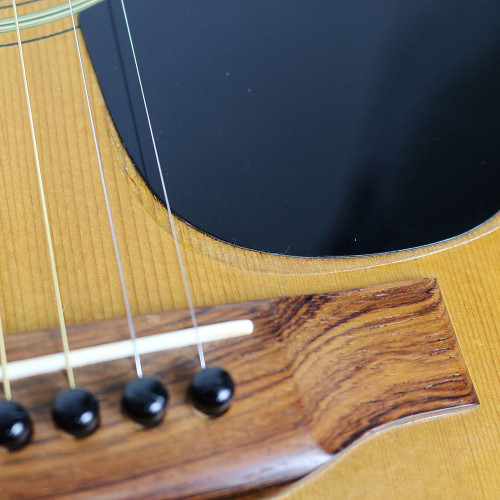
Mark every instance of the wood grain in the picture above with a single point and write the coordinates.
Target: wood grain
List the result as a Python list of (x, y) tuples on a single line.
[(319, 372), (456, 456)]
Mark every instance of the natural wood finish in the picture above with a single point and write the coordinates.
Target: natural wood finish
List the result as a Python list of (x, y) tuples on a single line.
[(457, 456), (318, 372)]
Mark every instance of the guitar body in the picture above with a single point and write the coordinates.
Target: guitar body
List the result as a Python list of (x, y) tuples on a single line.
[(448, 456)]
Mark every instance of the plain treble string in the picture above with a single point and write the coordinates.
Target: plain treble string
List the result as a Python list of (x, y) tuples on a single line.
[(60, 313), (138, 364), (167, 203), (3, 361)]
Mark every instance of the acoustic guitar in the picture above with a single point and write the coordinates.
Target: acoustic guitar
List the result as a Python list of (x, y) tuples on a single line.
[(149, 350)]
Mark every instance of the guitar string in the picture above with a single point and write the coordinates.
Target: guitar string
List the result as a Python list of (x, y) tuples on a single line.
[(167, 202), (3, 361), (55, 279), (133, 337), (3, 357)]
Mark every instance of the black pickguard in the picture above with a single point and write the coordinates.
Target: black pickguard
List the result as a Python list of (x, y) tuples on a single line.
[(311, 127)]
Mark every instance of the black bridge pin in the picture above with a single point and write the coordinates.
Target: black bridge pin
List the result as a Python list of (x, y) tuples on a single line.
[(145, 401), (76, 411), (211, 391), (16, 428)]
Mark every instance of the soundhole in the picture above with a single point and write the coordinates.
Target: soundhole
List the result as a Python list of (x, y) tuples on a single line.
[(311, 128)]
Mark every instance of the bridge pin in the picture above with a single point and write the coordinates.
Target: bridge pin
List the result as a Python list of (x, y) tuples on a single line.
[(211, 391), (145, 401), (16, 428), (76, 411)]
